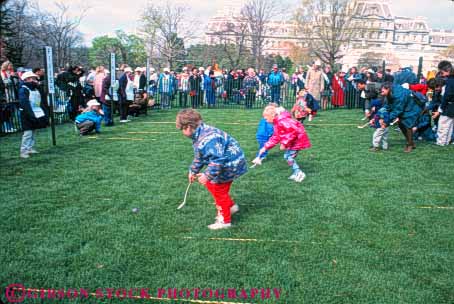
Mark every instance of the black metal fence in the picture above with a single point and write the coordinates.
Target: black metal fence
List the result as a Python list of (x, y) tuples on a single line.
[(232, 94), (10, 121), (179, 93)]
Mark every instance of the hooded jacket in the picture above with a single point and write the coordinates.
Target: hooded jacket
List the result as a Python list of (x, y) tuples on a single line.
[(402, 105), (288, 132)]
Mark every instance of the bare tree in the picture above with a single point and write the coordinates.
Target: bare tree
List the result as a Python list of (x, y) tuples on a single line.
[(258, 14), (58, 30), (327, 26), (233, 37), (166, 29), (18, 25)]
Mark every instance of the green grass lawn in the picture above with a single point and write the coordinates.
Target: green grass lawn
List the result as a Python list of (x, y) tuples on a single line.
[(352, 232)]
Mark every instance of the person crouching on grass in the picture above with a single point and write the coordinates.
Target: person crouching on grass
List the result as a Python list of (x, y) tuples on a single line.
[(90, 119), (224, 160), (290, 134)]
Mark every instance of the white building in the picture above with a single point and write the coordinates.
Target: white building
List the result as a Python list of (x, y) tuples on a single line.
[(398, 40)]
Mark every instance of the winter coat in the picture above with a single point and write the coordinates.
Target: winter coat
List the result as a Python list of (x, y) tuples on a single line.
[(220, 152), (97, 83), (195, 83), (251, 84), (275, 79), (315, 83), (69, 83), (90, 116), (166, 85), (402, 105), (289, 132), (339, 86), (123, 83), (421, 88), (405, 76), (210, 84), (264, 130), (33, 107), (380, 114)]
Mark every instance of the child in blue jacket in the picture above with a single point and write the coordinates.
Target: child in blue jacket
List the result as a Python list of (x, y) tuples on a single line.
[(380, 122), (223, 158), (90, 119), (264, 132)]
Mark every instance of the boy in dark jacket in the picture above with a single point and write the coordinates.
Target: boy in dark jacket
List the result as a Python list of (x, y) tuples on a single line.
[(33, 112), (446, 121), (223, 158)]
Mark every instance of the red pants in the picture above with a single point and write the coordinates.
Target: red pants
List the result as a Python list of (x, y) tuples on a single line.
[(222, 199)]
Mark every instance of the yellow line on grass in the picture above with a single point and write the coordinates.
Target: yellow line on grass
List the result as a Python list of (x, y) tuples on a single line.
[(118, 138), (151, 132), (255, 124), (91, 294), (242, 240), (435, 207)]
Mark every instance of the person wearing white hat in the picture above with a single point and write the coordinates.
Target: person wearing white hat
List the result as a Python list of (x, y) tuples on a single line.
[(33, 109), (140, 102), (90, 119)]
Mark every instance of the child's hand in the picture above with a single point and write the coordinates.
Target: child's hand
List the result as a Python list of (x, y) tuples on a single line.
[(192, 177), (415, 129), (202, 178), (309, 110), (257, 161), (282, 147)]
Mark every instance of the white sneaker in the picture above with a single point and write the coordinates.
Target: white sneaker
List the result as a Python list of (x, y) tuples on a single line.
[(33, 151), (124, 120), (300, 177), (293, 176), (24, 155), (234, 209), (219, 225)]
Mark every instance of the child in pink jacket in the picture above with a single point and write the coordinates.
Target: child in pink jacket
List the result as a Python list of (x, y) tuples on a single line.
[(290, 134)]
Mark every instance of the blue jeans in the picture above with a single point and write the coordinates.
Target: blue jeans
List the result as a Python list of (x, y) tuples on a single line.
[(107, 115), (28, 141), (211, 97), (290, 156), (276, 94)]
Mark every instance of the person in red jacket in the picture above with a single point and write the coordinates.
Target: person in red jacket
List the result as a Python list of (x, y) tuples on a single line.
[(423, 88), (338, 84), (290, 134)]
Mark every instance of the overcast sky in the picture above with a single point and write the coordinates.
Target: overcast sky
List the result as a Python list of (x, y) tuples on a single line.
[(104, 17)]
